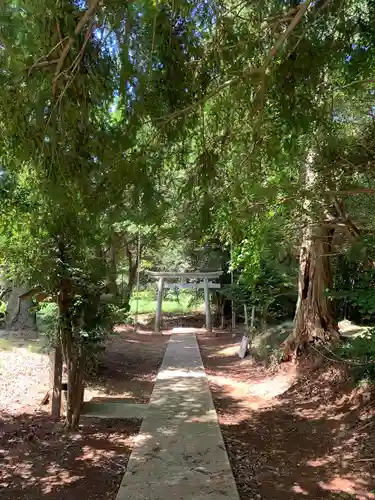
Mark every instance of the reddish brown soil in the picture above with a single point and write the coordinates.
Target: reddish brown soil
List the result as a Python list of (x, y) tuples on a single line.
[(289, 435), (128, 367), (37, 458)]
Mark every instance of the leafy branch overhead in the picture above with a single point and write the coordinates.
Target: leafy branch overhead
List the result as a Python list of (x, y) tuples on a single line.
[(177, 132)]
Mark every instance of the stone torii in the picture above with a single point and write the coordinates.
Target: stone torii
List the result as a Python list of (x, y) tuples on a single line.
[(206, 285)]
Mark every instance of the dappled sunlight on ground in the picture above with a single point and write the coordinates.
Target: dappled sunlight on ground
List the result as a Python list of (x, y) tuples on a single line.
[(128, 367), (273, 386), (292, 434), (39, 459)]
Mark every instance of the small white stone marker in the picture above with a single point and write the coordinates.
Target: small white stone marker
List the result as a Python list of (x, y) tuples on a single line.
[(244, 346)]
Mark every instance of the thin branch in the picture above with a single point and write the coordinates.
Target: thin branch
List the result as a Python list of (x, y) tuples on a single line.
[(49, 53), (86, 16), (279, 42), (344, 192), (351, 227), (251, 71), (356, 82), (199, 102), (44, 64), (285, 16), (294, 48)]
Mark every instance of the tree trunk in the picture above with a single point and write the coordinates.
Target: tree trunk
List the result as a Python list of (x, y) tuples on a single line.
[(133, 263), (71, 348), (56, 368), (112, 278), (314, 319), (74, 360), (18, 315), (76, 386)]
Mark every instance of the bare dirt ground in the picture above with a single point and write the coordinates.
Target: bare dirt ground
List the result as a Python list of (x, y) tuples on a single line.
[(292, 435), (37, 458), (128, 367), (193, 319)]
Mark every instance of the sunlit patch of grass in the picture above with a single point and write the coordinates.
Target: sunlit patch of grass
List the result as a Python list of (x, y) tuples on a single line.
[(184, 302)]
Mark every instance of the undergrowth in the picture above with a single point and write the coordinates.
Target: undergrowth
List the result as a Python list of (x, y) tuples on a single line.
[(359, 353)]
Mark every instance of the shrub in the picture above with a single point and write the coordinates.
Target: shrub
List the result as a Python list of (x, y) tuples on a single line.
[(360, 353)]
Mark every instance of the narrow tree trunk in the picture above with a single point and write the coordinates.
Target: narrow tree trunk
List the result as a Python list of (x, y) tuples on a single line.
[(56, 367), (75, 367), (112, 278), (132, 279), (314, 320), (74, 361), (71, 348), (18, 315), (132, 276)]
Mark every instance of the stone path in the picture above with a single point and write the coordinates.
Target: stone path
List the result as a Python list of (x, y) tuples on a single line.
[(180, 453)]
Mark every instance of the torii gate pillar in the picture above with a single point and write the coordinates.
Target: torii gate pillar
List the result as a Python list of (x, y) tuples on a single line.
[(159, 302), (207, 309)]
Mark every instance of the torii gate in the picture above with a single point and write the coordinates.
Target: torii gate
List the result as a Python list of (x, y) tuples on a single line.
[(206, 285)]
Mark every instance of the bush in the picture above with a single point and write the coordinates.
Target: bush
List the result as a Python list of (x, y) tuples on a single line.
[(360, 353), (47, 319), (3, 308), (98, 325)]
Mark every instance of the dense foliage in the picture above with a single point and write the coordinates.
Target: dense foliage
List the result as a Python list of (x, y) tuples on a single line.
[(189, 135)]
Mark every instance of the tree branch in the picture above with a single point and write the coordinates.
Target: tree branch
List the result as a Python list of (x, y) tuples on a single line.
[(351, 227), (86, 16), (38, 62), (249, 72), (279, 42)]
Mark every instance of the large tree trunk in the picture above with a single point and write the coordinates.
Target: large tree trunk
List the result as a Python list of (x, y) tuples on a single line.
[(18, 315), (314, 320)]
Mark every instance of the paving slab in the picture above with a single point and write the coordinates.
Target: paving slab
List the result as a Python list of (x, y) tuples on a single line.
[(180, 453), (108, 409)]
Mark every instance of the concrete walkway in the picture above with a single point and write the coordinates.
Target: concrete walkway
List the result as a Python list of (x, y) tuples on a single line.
[(180, 453)]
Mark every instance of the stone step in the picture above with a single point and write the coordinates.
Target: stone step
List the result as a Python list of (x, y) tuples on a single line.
[(108, 409)]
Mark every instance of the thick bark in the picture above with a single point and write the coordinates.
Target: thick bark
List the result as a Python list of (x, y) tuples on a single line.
[(314, 320), (18, 315)]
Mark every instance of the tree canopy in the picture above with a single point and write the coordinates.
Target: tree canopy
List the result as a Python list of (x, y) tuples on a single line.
[(161, 127)]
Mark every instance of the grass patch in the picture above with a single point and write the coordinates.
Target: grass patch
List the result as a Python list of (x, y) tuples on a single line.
[(183, 302), (46, 317), (359, 352)]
